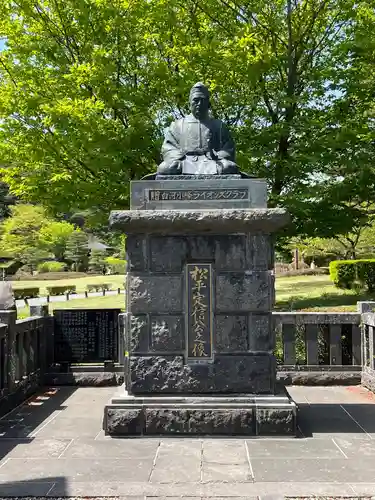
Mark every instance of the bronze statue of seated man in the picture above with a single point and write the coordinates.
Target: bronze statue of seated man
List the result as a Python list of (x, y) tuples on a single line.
[(198, 144)]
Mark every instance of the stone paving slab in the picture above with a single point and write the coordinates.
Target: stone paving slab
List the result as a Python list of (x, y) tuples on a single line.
[(294, 449), (53, 446), (134, 449), (212, 490), (76, 469), (224, 452), (313, 470)]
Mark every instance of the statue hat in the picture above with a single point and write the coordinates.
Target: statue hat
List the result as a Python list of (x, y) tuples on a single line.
[(199, 88)]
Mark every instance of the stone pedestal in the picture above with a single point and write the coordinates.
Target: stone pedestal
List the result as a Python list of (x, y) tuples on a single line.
[(198, 338)]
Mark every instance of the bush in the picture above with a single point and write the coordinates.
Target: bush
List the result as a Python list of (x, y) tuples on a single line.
[(353, 274), (116, 266), (318, 271), (97, 262), (26, 293), (21, 275), (60, 290), (99, 287), (48, 267)]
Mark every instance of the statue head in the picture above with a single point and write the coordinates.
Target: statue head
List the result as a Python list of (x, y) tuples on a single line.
[(199, 100)]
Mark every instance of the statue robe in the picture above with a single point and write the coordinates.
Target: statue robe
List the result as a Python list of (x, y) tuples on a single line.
[(197, 144)]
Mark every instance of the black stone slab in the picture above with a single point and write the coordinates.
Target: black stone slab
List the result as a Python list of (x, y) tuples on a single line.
[(196, 193), (168, 374), (86, 335)]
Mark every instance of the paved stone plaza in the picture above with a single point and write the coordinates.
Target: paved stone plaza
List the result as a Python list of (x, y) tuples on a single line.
[(54, 446)]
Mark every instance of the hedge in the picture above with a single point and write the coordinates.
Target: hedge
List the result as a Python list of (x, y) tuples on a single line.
[(51, 266), (99, 287), (318, 271), (26, 293), (353, 274), (60, 290), (116, 266)]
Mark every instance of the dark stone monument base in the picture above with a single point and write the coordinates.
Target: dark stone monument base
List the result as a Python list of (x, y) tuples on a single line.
[(244, 414), (236, 373)]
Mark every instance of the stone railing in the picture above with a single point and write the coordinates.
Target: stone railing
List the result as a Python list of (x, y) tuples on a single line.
[(318, 348), (311, 348), (23, 358), (3, 357), (368, 350)]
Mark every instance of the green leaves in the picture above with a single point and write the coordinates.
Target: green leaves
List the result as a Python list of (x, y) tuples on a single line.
[(30, 235), (87, 86)]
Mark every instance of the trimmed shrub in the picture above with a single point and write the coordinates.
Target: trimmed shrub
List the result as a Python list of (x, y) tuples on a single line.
[(60, 290), (304, 272), (51, 267), (99, 287), (26, 293), (116, 266), (353, 274)]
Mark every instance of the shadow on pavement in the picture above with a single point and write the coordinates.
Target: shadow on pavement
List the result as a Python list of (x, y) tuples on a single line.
[(35, 487), (336, 418), (18, 426)]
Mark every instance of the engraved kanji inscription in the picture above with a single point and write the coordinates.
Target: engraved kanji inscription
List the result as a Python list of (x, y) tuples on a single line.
[(199, 311)]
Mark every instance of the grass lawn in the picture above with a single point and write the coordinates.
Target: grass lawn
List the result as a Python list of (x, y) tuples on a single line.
[(315, 293), (297, 293), (117, 281)]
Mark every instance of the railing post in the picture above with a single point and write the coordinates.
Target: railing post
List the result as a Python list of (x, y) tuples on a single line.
[(41, 310), (335, 347), (311, 338), (365, 307), (371, 345), (9, 318), (46, 338), (289, 341), (356, 345)]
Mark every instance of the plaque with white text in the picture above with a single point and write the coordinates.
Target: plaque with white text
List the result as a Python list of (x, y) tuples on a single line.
[(86, 335)]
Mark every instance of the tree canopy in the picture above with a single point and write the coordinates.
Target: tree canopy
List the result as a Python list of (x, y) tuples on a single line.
[(30, 235), (87, 87)]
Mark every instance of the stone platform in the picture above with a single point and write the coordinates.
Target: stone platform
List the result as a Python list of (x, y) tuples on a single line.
[(200, 415), (197, 334), (53, 446)]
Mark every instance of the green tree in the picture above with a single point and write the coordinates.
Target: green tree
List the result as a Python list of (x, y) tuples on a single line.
[(358, 243), (78, 101), (97, 262), (76, 251), (54, 236), (87, 87), (6, 200), (30, 235), (20, 233)]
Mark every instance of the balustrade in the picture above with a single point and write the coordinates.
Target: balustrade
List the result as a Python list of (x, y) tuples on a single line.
[(317, 342), (318, 339)]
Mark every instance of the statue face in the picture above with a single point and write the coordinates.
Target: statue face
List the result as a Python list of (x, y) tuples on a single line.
[(199, 105)]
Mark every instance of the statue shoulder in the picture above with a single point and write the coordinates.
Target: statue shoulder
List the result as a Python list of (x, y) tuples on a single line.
[(218, 124), (176, 125)]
